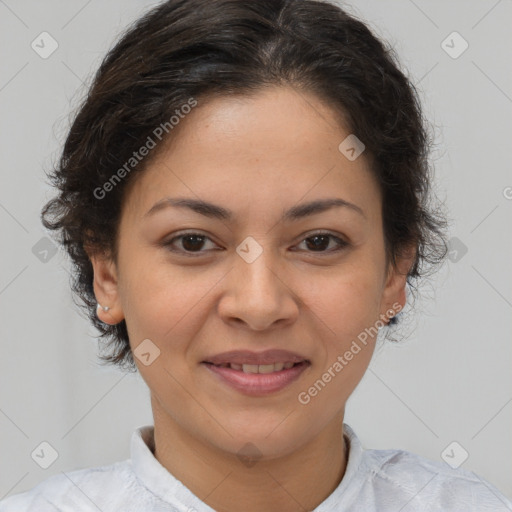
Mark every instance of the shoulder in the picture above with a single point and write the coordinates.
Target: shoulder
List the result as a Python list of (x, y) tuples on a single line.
[(422, 484), (74, 490)]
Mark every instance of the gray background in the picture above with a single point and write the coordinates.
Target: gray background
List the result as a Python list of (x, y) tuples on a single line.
[(450, 381)]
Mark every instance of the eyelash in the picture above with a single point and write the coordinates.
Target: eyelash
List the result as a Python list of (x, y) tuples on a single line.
[(342, 244)]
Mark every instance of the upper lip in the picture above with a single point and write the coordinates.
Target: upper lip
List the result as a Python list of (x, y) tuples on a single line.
[(248, 357)]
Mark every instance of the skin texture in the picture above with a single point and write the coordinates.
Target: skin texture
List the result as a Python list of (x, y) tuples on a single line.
[(257, 156)]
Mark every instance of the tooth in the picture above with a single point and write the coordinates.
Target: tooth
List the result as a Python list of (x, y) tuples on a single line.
[(250, 368), (262, 368)]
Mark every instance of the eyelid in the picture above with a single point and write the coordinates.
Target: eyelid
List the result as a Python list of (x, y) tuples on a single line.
[(316, 232)]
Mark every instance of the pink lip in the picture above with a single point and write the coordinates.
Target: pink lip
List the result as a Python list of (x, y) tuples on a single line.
[(248, 357), (258, 384)]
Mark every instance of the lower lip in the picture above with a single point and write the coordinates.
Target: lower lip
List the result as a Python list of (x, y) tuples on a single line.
[(258, 384)]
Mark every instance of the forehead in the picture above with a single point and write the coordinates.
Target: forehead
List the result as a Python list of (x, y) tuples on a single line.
[(273, 147), (279, 120)]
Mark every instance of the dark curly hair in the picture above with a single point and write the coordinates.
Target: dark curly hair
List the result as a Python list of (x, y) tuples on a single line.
[(184, 49)]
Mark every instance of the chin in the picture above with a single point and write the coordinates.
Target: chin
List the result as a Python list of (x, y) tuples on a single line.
[(270, 437)]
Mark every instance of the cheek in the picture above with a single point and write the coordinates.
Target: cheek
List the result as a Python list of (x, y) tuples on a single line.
[(168, 305), (347, 309), (348, 301)]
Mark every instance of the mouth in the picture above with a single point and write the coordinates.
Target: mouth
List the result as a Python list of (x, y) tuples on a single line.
[(256, 374), (237, 359)]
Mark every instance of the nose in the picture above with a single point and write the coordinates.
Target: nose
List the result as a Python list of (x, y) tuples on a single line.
[(259, 295)]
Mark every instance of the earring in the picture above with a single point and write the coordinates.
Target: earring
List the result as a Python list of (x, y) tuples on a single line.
[(390, 314), (105, 308)]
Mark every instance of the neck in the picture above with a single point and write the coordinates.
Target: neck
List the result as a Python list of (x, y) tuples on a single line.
[(300, 480)]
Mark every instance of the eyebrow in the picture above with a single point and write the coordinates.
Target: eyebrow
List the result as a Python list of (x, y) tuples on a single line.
[(218, 212)]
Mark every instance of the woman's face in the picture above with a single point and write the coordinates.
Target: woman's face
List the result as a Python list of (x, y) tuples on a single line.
[(258, 279)]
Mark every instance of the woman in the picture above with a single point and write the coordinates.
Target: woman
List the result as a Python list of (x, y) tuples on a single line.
[(245, 197)]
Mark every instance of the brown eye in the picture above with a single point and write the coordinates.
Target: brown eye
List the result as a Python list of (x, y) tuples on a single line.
[(189, 244), (319, 242), (192, 242)]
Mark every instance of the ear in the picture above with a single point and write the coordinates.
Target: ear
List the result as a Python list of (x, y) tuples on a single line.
[(106, 289), (393, 294)]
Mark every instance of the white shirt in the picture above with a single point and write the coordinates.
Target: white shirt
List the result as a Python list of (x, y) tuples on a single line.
[(374, 481)]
